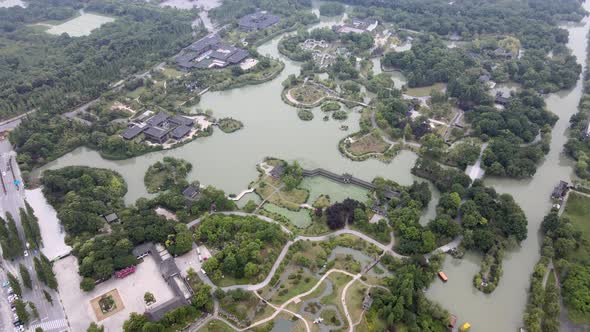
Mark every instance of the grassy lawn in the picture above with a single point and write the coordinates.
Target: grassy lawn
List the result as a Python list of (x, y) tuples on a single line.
[(137, 92), (339, 280), (216, 326), (371, 143), (354, 300), (240, 308), (346, 263), (267, 187), (293, 286), (330, 317), (322, 202), (577, 209), (301, 219), (425, 91), (171, 72), (266, 312)]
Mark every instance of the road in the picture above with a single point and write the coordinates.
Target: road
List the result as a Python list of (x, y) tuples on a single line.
[(51, 317)]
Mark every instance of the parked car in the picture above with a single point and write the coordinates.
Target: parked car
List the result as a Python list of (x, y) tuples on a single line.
[(5, 284), (26, 253)]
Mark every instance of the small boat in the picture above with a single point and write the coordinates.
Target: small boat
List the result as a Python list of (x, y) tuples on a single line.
[(465, 327), (343, 127), (442, 276)]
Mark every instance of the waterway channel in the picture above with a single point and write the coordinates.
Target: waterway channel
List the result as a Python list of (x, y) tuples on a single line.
[(272, 128), (503, 309)]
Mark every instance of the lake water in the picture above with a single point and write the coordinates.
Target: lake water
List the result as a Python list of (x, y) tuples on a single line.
[(82, 25), (272, 128), (12, 3)]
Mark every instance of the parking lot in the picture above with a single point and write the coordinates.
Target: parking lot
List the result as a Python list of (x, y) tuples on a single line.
[(10, 297), (191, 259), (132, 288)]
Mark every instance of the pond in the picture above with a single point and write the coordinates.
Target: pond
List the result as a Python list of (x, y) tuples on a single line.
[(338, 192), (300, 219), (82, 25), (283, 325)]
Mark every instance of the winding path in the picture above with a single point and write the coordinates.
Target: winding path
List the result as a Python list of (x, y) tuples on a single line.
[(387, 249)]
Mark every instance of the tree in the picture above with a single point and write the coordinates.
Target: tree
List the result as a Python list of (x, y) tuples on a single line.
[(153, 327), (87, 284), (149, 298), (34, 310), (432, 145), (135, 323), (44, 272), (48, 297), (21, 311), (95, 328), (251, 270), (25, 276), (14, 284)]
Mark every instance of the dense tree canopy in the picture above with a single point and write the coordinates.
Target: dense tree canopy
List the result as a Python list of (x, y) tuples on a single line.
[(247, 246)]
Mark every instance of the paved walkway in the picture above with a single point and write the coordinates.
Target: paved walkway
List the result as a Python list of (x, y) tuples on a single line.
[(387, 249), (240, 195), (475, 171)]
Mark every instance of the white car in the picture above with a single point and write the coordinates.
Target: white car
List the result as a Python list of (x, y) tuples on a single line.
[(3, 173), (26, 253)]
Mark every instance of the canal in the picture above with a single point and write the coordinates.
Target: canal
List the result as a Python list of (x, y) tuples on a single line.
[(272, 128), (503, 309)]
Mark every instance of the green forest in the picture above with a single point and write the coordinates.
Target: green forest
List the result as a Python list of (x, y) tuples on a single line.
[(247, 246), (83, 195)]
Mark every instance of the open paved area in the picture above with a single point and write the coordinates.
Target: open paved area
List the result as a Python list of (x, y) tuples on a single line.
[(115, 297), (77, 304), (191, 259)]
